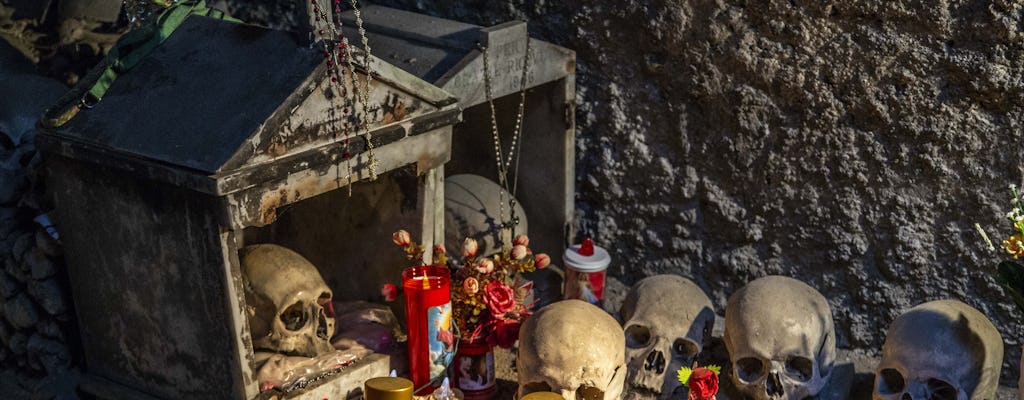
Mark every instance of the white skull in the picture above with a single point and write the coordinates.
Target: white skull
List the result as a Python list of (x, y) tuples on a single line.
[(288, 303), (667, 319), (781, 339), (940, 350), (573, 348)]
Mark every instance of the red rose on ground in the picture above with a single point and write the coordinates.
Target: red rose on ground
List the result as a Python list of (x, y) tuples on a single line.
[(505, 333), (703, 384), (500, 299)]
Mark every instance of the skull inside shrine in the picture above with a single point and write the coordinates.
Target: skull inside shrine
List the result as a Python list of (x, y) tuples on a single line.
[(290, 308), (781, 339)]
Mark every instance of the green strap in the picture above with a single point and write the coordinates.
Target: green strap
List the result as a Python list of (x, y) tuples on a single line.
[(129, 50)]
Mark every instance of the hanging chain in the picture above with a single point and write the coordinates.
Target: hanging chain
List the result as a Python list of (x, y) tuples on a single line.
[(336, 55), (519, 119), (503, 163), (364, 94), (344, 54)]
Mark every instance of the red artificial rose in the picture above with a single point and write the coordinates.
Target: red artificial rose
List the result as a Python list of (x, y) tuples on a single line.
[(389, 291), (505, 333), (500, 299), (703, 384)]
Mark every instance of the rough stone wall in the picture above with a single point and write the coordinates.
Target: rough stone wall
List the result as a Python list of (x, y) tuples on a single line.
[(849, 144), (37, 332)]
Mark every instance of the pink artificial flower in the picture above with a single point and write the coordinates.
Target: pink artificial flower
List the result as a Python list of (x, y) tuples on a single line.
[(401, 238), (519, 252), (485, 266), (541, 261), (521, 240), (470, 286), (469, 247)]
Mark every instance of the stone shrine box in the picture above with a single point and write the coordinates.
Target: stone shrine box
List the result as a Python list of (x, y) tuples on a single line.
[(222, 138), (446, 53)]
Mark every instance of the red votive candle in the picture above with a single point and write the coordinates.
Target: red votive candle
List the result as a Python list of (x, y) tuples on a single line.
[(586, 265), (428, 314)]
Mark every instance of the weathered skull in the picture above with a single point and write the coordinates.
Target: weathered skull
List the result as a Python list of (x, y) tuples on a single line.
[(667, 319), (573, 348), (289, 305), (781, 339), (940, 350)]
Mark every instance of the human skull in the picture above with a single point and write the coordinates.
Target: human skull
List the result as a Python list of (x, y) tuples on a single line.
[(781, 339), (288, 304), (573, 348), (940, 350), (667, 318)]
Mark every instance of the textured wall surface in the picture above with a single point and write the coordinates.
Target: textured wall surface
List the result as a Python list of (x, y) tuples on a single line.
[(851, 145)]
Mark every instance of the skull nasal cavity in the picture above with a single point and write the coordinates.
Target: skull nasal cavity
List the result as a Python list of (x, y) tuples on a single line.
[(325, 302), (321, 325), (655, 362), (774, 385), (294, 317)]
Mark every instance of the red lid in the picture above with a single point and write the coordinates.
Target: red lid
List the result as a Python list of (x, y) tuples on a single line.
[(587, 248)]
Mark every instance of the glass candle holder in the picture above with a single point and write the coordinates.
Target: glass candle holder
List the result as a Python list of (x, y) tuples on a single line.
[(473, 369), (428, 314)]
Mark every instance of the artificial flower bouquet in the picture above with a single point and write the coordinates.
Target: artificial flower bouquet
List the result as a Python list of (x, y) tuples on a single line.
[(489, 298), (1010, 273)]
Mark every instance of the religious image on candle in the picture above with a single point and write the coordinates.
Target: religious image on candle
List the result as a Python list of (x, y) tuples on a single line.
[(442, 341)]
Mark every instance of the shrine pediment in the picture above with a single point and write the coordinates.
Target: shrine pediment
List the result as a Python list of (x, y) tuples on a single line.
[(217, 98)]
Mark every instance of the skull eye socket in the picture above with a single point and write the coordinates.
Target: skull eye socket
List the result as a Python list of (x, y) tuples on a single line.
[(534, 387), (589, 393), (890, 381), (637, 336), (683, 349), (941, 390), (750, 369), (800, 368), (294, 317)]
